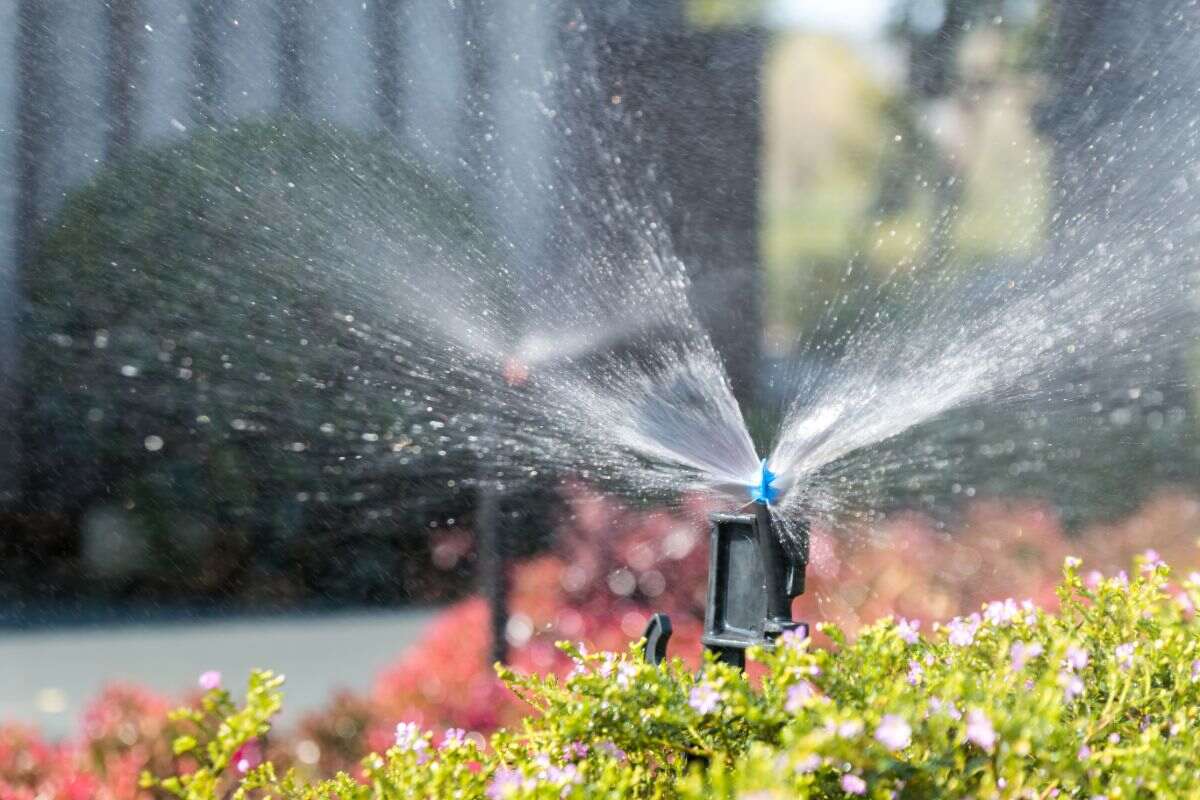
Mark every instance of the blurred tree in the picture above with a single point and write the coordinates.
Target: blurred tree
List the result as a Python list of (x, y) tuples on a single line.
[(211, 380), (124, 61)]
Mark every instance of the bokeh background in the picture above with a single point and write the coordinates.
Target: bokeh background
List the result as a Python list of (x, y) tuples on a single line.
[(172, 503)]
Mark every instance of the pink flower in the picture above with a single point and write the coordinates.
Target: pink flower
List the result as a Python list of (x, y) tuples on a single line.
[(1001, 614), (1184, 600), (1152, 561), (248, 756), (210, 680), (612, 751), (808, 764), (1077, 658), (980, 731), (893, 732), (907, 629), (704, 699), (1084, 753), (625, 674), (1093, 579), (1124, 654), (795, 639), (962, 631), (798, 696), (505, 783), (852, 784), (937, 705), (850, 729), (1072, 686), (1021, 653), (453, 737), (410, 739)]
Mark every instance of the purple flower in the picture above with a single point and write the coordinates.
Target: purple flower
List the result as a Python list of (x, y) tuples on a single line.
[(980, 731), (850, 728), (893, 732), (852, 784), (937, 705), (1184, 600), (1084, 753), (1077, 658), (552, 773), (795, 639), (809, 763), (798, 695), (210, 680), (577, 751), (1072, 562), (1124, 654), (453, 737), (1152, 561), (1196, 670), (1001, 614), (505, 783), (1020, 653), (409, 738), (704, 699), (613, 752), (962, 631), (915, 673), (907, 629), (1072, 685), (625, 674)]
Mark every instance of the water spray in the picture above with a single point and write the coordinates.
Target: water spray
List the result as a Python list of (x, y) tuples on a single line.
[(752, 579)]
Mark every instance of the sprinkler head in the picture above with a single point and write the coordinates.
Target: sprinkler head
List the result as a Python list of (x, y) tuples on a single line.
[(752, 579), (764, 490)]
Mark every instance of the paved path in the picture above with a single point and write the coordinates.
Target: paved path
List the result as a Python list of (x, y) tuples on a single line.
[(47, 677)]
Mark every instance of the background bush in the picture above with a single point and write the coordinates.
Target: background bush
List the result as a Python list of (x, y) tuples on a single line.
[(216, 402)]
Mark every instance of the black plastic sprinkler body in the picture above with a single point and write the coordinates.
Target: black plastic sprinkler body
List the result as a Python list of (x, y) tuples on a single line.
[(752, 579)]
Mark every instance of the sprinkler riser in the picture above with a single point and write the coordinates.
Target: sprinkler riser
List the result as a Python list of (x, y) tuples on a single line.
[(752, 579)]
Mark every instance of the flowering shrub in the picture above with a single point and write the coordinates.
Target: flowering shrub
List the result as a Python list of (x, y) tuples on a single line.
[(607, 578), (599, 589), (1098, 700)]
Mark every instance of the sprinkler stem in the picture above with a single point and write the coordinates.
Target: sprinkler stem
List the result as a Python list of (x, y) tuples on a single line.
[(776, 567)]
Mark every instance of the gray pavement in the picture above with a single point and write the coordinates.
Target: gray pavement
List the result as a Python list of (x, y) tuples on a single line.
[(47, 677)]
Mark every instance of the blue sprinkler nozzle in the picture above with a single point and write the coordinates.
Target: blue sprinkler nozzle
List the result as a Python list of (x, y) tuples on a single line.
[(764, 491)]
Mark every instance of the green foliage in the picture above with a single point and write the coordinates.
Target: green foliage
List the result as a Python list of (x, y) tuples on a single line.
[(210, 345), (1101, 698)]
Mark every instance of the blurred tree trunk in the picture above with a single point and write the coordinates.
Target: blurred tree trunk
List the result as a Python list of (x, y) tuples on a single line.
[(295, 39), (690, 101), (124, 59), (207, 79), (385, 51), (34, 114)]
